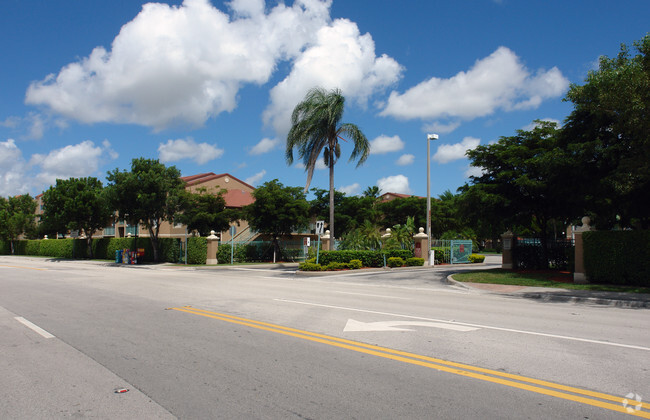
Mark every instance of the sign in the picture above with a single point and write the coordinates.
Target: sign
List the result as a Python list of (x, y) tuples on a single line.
[(306, 241), (460, 251), (233, 230), (74, 234), (320, 224)]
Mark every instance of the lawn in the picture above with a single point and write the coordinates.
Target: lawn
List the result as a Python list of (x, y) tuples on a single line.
[(557, 279)]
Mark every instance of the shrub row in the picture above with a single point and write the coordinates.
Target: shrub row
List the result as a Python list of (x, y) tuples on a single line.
[(367, 258), (617, 257), (476, 258), (105, 248)]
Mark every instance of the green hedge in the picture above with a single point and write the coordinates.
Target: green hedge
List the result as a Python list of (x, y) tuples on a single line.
[(197, 250), (368, 258), (617, 257)]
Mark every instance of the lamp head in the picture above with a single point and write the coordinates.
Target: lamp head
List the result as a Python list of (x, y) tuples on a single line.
[(432, 137)]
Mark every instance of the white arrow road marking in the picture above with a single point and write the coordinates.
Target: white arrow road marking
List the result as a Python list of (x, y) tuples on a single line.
[(353, 325)]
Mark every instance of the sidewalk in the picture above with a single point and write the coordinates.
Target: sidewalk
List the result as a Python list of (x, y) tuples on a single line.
[(551, 294)]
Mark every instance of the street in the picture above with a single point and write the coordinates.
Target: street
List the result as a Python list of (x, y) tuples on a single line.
[(255, 342)]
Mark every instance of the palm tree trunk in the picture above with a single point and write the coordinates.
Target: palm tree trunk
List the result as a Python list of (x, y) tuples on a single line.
[(331, 226)]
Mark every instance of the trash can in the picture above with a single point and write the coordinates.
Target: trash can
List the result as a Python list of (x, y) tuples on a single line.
[(118, 256)]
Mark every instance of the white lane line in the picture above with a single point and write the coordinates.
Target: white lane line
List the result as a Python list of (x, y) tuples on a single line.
[(33, 327), (369, 295), (564, 337)]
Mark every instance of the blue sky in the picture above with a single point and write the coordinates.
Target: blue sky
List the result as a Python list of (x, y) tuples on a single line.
[(208, 86)]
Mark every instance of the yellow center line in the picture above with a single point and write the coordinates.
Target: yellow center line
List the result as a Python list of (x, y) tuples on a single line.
[(439, 364), (26, 268)]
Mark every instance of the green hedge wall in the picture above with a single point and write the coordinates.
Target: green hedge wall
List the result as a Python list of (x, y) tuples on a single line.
[(617, 257), (368, 258), (197, 250)]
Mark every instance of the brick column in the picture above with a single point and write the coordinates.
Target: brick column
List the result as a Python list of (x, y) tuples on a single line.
[(506, 254), (326, 240), (421, 243), (213, 247), (579, 275)]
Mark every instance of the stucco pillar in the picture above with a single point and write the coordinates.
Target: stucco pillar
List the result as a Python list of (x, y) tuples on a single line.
[(506, 254), (213, 247), (326, 240), (421, 243), (579, 275)]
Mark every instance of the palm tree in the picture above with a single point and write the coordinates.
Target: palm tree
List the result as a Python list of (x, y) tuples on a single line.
[(316, 128)]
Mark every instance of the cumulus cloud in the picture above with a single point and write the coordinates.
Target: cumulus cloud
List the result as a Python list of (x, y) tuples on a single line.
[(353, 189), (79, 160), (441, 128), (264, 146), (449, 152), (499, 81), (253, 180), (405, 160), (180, 64), (396, 184), (384, 144), (340, 57), (184, 64), (175, 150), (12, 170)]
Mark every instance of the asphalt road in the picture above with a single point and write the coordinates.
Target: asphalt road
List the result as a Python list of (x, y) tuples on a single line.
[(267, 343)]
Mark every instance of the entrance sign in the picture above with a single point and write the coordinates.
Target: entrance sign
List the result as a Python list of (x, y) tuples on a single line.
[(320, 224), (460, 251)]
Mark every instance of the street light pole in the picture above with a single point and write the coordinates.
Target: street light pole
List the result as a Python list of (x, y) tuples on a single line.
[(429, 138)]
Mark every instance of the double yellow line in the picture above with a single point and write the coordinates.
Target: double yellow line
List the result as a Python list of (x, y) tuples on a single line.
[(597, 399)]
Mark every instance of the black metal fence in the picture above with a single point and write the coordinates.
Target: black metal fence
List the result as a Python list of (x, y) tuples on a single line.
[(529, 254)]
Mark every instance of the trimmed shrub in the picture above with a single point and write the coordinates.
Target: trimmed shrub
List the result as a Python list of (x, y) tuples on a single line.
[(5, 247), (32, 247), (336, 266), (395, 262), (355, 264), (197, 250), (414, 262), (367, 258), (476, 258), (307, 266), (617, 257), (442, 255)]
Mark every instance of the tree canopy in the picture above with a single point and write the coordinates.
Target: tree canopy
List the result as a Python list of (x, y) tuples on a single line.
[(203, 211), (148, 194), (77, 204), (16, 217)]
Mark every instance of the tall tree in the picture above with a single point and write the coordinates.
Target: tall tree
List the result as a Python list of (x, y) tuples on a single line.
[(316, 128), (203, 211), (149, 194), (16, 217), (77, 204), (608, 133), (277, 210)]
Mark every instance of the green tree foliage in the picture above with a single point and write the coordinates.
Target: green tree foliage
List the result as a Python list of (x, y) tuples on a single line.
[(526, 173), (350, 212), (16, 218), (608, 135), (400, 209), (316, 129), (77, 204), (277, 210), (148, 194), (203, 211)]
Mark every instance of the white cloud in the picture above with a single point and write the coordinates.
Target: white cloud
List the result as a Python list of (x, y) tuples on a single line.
[(12, 170), (79, 160), (384, 144), (320, 164), (253, 180), (175, 150), (405, 160), (396, 184), (473, 171), (340, 57), (264, 146), (448, 152), (440, 128), (180, 64), (353, 189), (499, 81)]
